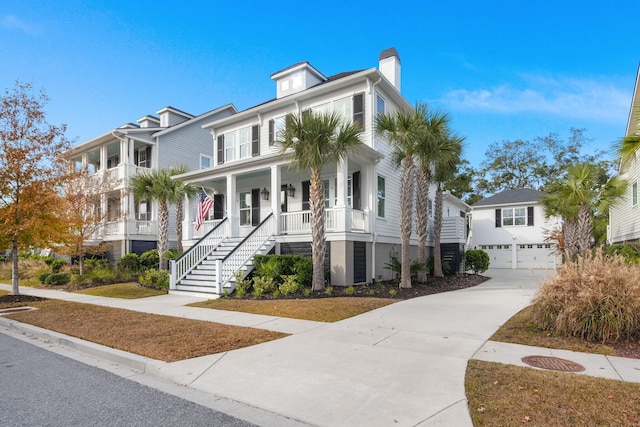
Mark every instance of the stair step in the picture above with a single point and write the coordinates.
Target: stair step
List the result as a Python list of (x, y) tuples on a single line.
[(198, 283), (201, 289)]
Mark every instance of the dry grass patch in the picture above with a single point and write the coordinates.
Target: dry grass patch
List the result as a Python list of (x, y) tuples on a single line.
[(122, 290), (317, 309), (158, 337), (522, 329), (502, 395)]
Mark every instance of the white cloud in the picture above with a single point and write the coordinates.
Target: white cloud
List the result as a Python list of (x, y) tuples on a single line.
[(11, 22), (564, 96)]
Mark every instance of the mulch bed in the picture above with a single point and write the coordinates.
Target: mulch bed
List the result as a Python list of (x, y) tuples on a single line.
[(12, 299)]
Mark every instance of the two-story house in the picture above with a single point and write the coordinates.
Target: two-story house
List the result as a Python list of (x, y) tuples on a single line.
[(624, 214), (512, 227), (263, 204), (172, 138)]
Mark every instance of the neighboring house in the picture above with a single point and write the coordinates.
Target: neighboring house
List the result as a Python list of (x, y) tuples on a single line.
[(261, 204), (624, 215), (511, 227), (171, 139)]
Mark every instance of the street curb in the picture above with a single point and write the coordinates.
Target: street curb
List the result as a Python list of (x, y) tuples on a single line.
[(132, 361)]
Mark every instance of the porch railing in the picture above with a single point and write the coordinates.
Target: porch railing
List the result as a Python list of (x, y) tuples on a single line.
[(145, 227), (206, 227), (300, 222), (245, 251), (454, 229), (198, 252)]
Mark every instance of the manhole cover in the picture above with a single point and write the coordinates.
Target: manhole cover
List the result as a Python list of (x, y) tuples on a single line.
[(5, 311), (553, 363)]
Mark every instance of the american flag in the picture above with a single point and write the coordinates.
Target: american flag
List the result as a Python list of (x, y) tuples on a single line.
[(204, 204)]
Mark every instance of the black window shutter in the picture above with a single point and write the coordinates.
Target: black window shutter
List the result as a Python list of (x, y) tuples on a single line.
[(149, 157), (355, 189), (529, 215), (272, 138), (255, 140), (498, 217), (358, 109), (220, 149), (255, 206), (305, 195), (136, 158)]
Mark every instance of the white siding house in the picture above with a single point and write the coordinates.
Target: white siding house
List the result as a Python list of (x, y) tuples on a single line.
[(260, 199), (624, 215), (510, 226), (171, 139)]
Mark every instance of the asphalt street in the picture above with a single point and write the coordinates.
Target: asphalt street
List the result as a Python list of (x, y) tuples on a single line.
[(41, 388)]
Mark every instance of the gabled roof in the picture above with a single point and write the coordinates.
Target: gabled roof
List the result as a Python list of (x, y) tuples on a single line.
[(518, 195)]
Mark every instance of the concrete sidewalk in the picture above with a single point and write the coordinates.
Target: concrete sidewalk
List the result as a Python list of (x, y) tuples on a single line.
[(403, 364)]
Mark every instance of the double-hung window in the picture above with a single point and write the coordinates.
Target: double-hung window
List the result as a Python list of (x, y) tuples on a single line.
[(514, 216), (349, 197), (230, 146), (245, 208), (244, 135), (381, 196), (379, 104)]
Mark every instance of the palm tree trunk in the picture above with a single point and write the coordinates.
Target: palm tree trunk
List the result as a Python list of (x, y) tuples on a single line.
[(584, 228), (15, 289), (422, 217), (316, 202), (179, 215), (437, 231), (163, 233), (406, 218), (570, 238)]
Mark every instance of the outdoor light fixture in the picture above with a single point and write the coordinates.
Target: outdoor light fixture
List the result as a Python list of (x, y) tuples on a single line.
[(291, 191), (265, 194)]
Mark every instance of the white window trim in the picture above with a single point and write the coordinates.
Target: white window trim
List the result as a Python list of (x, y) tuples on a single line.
[(634, 188), (384, 101), (205, 156), (248, 208), (514, 217)]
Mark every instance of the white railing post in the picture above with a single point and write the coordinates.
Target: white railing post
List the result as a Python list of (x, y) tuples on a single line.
[(172, 269), (218, 276)]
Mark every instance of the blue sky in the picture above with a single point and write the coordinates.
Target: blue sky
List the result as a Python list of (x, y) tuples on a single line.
[(502, 70)]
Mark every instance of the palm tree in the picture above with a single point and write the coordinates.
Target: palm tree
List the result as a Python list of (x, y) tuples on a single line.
[(447, 159), (577, 198), (156, 185), (311, 141), (627, 148), (435, 125), (403, 129), (181, 190)]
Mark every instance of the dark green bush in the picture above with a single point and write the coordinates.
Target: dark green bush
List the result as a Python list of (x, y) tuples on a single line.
[(276, 266), (395, 265), (129, 262), (42, 277), (172, 253), (57, 264), (57, 279), (150, 259), (629, 251), (476, 260)]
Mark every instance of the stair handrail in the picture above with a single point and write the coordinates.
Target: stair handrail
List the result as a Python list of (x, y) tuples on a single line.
[(245, 250), (186, 262)]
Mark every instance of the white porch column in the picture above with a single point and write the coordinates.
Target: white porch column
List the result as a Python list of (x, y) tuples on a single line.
[(232, 206), (187, 227), (103, 158), (130, 150), (343, 211), (276, 183)]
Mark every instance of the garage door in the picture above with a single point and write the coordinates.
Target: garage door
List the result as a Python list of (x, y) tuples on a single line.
[(536, 256), (499, 255)]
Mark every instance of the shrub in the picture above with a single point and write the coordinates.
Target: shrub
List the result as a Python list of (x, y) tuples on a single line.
[(395, 265), (476, 260), (594, 298), (150, 259), (243, 285), (350, 290), (289, 285), (328, 290), (276, 266), (129, 262), (155, 278), (57, 264), (42, 277), (171, 253), (102, 276), (57, 279), (263, 285), (630, 251)]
